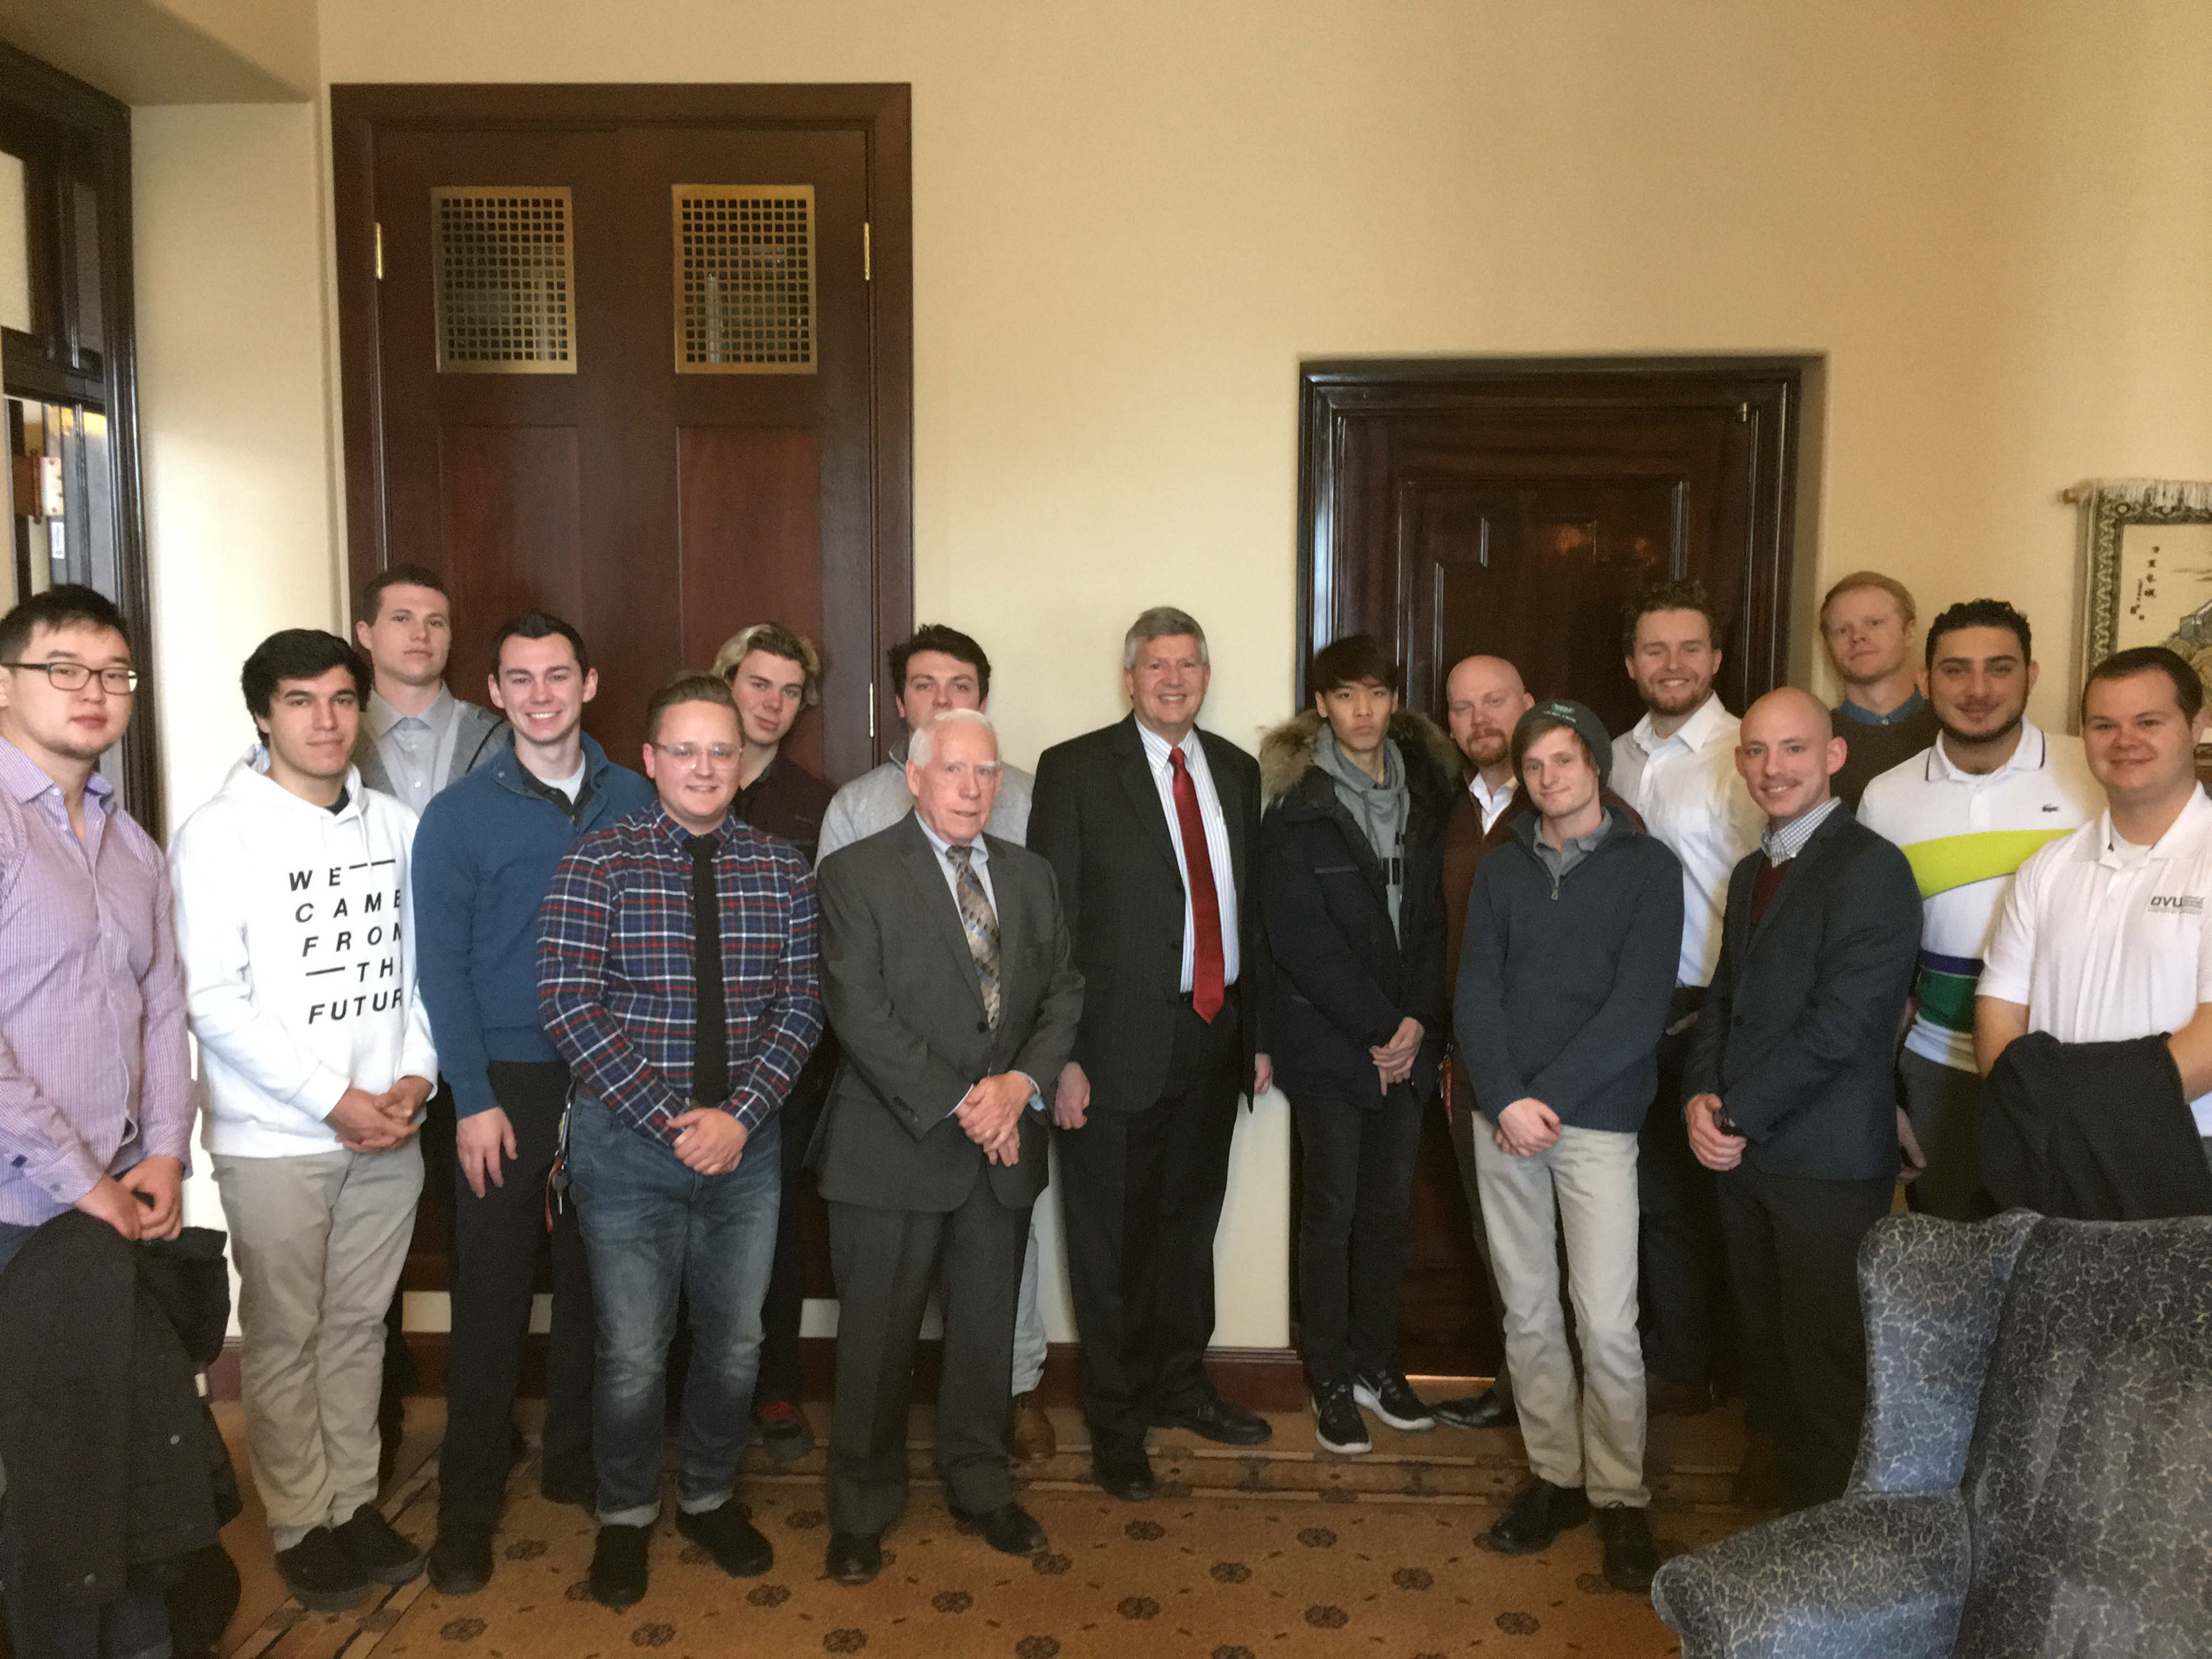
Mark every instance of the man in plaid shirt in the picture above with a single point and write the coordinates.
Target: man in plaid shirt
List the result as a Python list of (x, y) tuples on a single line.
[(684, 1040)]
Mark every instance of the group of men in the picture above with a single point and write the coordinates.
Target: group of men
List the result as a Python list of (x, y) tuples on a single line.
[(1658, 979)]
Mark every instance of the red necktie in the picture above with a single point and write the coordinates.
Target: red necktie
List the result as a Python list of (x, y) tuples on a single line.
[(1206, 960)]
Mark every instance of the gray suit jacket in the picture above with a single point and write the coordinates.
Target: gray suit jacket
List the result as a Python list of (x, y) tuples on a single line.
[(475, 740), (902, 996)]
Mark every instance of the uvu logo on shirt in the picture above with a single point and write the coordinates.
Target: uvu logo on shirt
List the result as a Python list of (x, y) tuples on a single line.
[(2179, 904), (348, 936)]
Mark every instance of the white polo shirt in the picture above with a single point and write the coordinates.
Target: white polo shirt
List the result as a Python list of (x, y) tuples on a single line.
[(1965, 833), (1689, 796), (2103, 942)]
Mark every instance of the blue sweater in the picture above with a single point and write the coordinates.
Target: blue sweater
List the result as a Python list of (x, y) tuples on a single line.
[(484, 856), (1564, 987)]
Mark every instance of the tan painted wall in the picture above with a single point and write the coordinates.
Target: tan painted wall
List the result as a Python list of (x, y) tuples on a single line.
[(1133, 223)]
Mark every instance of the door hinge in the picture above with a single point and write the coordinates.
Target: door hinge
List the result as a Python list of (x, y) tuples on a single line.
[(379, 251), (871, 711), (1742, 413), (867, 258)]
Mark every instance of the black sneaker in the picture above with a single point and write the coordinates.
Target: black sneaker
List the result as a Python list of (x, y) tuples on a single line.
[(460, 1558), (322, 1574), (1631, 1556), (618, 1575), (1338, 1425), (1487, 1410), (384, 1555), (1390, 1397), (729, 1537)]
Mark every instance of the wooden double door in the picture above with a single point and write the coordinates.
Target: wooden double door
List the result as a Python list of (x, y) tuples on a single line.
[(640, 356), (1512, 508)]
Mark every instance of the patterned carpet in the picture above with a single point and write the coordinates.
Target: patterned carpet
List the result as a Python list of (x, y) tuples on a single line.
[(1304, 1556)]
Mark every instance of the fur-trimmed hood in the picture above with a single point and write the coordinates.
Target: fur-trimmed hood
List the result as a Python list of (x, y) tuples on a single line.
[(1433, 763)]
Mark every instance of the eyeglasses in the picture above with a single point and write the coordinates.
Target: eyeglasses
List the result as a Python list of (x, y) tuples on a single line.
[(72, 676), (685, 753)]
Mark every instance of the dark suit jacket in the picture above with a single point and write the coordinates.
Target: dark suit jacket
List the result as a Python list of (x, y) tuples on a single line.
[(1799, 1032), (1096, 814), (901, 994)]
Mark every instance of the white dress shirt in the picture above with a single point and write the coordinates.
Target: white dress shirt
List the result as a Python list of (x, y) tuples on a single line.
[(1217, 843), (1490, 802), (1686, 789)]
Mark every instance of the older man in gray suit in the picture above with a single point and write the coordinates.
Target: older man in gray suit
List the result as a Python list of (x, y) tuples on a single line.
[(948, 976)]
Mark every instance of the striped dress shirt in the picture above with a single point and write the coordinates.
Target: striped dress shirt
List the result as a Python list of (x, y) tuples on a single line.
[(94, 1072), (616, 973)]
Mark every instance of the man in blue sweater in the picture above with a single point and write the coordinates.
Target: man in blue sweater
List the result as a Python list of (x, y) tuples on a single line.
[(1565, 972), (484, 856)]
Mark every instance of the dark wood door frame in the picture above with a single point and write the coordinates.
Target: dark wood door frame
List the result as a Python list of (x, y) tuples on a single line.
[(1330, 388), (881, 113)]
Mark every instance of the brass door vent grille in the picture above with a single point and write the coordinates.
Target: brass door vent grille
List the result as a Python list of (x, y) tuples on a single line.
[(744, 279), (507, 279)]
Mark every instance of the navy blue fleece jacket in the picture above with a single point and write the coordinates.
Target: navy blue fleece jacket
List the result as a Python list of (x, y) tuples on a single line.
[(1564, 985), (485, 854)]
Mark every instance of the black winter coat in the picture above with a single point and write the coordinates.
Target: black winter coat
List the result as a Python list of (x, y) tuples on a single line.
[(1344, 977), (113, 1458)]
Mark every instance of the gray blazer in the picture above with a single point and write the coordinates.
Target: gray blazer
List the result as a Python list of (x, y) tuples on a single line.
[(901, 995), (475, 740), (1798, 1035)]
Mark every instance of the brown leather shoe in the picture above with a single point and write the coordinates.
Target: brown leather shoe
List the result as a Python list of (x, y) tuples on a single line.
[(1664, 1397), (1034, 1440)]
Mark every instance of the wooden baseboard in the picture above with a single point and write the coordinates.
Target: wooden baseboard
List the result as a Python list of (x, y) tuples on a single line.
[(1258, 1379)]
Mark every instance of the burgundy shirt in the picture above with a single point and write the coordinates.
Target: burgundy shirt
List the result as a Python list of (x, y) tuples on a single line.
[(93, 1072)]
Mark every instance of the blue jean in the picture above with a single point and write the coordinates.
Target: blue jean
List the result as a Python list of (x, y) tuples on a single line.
[(653, 1229)]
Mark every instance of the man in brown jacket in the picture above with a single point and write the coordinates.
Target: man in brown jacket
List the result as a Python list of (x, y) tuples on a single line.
[(1483, 697)]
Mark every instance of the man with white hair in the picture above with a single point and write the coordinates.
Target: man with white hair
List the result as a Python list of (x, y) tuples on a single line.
[(947, 971)]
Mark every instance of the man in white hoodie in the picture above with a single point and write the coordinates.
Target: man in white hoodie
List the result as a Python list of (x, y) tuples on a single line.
[(293, 921)]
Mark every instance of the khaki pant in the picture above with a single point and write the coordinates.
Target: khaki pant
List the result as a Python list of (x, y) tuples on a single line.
[(320, 1242), (1583, 1186)]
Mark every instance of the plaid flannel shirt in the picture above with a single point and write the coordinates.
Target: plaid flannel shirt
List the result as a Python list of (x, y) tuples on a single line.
[(615, 977)]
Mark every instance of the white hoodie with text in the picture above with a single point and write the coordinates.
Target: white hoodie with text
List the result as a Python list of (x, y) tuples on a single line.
[(298, 940)]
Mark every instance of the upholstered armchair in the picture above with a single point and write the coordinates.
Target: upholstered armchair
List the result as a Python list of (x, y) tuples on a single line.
[(2034, 1477)]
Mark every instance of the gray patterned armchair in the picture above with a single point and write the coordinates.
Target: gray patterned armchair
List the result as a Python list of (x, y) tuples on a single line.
[(2034, 1477)]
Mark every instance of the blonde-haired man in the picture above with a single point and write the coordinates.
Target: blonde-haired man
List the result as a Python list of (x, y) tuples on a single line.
[(1869, 623)]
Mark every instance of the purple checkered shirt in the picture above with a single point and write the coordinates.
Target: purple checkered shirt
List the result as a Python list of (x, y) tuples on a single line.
[(93, 1074), (616, 980)]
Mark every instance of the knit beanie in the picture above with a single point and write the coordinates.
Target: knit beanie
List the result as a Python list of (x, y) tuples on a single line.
[(1564, 711)]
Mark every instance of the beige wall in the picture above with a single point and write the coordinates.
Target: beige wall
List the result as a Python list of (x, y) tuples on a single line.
[(1133, 221)]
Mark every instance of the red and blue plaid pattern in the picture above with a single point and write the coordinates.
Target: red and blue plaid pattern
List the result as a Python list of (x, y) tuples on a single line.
[(616, 973)]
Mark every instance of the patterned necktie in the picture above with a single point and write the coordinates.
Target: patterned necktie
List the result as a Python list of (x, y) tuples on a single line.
[(1208, 964), (981, 924)]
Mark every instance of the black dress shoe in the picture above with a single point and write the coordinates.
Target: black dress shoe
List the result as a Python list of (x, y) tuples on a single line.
[(1127, 1475), (1539, 1515), (1215, 1419), (384, 1555), (1486, 1410), (618, 1575), (855, 1557), (321, 1573), (1631, 1556), (1010, 1529), (731, 1538), (460, 1558)]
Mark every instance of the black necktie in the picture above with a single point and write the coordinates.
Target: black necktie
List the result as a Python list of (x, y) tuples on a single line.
[(710, 1035)]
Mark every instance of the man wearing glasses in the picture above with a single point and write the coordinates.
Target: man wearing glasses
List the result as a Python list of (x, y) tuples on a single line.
[(676, 976), (96, 1095)]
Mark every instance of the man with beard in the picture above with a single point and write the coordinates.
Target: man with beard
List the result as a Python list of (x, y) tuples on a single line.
[(1483, 698), (1867, 622), (1677, 768), (1968, 811)]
